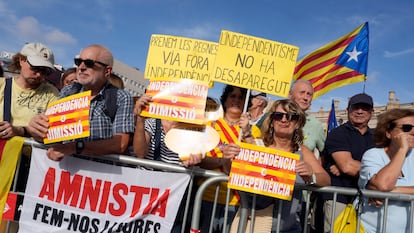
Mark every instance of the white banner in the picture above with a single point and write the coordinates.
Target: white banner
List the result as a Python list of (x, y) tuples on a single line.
[(76, 195)]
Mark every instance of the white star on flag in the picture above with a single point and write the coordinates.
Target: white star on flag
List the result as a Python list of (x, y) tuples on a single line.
[(353, 55)]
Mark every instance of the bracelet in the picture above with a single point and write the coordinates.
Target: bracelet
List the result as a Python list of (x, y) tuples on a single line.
[(221, 146), (25, 134)]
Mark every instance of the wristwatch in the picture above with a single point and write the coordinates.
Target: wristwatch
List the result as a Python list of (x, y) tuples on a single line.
[(313, 179), (80, 145)]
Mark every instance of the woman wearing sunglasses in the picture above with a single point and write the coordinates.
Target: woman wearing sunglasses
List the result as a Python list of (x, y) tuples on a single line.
[(388, 168), (282, 130)]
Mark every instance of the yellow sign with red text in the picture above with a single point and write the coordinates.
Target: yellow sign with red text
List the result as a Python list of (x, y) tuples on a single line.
[(68, 118), (255, 63), (182, 100), (264, 171)]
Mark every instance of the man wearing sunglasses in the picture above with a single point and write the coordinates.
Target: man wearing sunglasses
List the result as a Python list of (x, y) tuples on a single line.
[(344, 147), (107, 135)]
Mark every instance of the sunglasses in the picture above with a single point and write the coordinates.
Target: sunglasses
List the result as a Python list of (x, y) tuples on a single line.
[(88, 62), (40, 69), (278, 116), (405, 127)]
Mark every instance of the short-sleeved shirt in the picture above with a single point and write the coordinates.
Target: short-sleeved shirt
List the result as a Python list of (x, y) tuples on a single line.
[(166, 155), (25, 104), (314, 135), (345, 138), (100, 123), (398, 211)]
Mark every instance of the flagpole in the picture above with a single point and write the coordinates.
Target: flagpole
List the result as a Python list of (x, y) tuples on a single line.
[(363, 89), (366, 74)]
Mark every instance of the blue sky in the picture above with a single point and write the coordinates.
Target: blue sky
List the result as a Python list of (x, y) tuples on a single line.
[(125, 27)]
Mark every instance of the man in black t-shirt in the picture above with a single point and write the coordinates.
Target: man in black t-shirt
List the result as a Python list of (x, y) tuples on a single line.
[(344, 147)]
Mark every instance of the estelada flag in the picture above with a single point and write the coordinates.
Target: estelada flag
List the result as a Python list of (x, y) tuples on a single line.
[(9, 154), (339, 63), (332, 122)]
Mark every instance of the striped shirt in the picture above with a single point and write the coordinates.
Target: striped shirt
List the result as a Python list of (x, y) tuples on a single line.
[(167, 155)]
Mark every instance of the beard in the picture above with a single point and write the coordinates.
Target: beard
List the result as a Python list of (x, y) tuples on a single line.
[(34, 83)]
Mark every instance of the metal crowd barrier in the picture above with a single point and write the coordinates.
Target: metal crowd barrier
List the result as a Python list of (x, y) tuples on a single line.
[(214, 178), (244, 215)]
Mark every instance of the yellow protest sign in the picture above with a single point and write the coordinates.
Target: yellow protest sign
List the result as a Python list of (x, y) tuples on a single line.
[(264, 171), (182, 100), (68, 118), (180, 57), (255, 63)]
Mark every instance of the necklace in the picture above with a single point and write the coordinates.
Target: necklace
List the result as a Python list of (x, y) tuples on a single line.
[(231, 123)]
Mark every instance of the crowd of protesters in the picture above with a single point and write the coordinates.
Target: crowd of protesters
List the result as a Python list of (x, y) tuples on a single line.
[(333, 160)]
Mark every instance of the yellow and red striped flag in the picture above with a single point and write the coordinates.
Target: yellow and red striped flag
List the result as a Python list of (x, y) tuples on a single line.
[(339, 63), (9, 154)]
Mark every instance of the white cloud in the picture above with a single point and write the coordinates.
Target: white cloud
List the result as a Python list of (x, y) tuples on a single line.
[(389, 54), (373, 77), (57, 36), (28, 27)]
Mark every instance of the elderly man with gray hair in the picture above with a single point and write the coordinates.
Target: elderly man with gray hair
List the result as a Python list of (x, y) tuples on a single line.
[(257, 104)]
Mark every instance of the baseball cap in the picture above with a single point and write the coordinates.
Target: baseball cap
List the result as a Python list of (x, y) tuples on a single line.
[(361, 98), (255, 93), (38, 55)]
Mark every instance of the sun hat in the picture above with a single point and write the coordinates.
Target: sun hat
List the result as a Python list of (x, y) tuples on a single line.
[(255, 93), (38, 55)]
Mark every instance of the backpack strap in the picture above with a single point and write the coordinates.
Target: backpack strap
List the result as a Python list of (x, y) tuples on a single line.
[(110, 94), (157, 138), (75, 89), (7, 100), (111, 98)]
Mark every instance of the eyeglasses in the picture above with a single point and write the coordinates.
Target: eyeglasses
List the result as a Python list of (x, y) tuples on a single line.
[(405, 127), (40, 69), (278, 116), (88, 62)]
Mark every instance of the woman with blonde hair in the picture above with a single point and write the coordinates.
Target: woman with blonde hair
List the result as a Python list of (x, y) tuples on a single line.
[(282, 130)]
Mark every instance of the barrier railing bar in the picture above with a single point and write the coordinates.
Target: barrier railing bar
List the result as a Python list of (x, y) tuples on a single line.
[(195, 220)]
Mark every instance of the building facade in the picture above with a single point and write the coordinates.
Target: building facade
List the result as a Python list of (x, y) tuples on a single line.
[(133, 78)]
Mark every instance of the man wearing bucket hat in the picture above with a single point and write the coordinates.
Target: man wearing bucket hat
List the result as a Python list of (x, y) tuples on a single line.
[(29, 92)]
